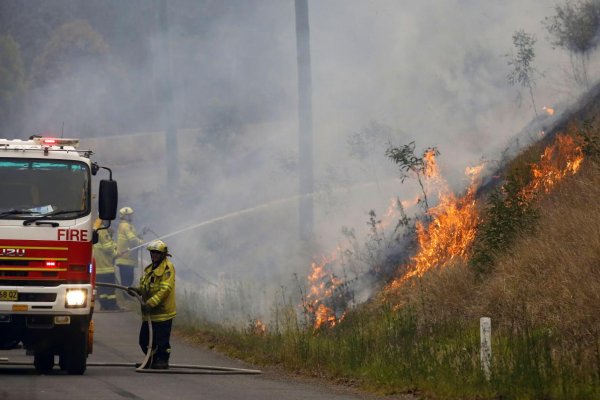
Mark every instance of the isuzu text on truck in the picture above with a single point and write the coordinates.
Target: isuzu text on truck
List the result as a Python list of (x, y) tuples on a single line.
[(46, 236)]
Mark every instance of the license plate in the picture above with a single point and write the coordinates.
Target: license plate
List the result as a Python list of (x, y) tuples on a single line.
[(8, 295)]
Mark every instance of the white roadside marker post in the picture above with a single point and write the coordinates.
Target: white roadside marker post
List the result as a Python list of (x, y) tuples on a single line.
[(485, 330)]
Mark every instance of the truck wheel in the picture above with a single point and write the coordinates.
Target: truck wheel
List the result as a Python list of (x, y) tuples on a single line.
[(43, 360), (62, 361), (76, 354)]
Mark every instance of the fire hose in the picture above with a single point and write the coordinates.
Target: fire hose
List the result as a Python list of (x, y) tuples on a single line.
[(143, 367), (173, 368)]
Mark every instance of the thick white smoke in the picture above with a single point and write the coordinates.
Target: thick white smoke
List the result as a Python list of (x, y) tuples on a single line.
[(383, 72)]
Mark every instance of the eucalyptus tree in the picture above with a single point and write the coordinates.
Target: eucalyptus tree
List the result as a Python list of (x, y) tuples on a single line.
[(575, 28), (413, 165), (523, 72)]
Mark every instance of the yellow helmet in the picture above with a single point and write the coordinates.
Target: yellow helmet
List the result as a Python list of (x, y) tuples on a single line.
[(125, 211), (158, 245)]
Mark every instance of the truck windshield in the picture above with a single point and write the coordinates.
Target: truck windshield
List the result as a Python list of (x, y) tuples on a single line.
[(34, 187)]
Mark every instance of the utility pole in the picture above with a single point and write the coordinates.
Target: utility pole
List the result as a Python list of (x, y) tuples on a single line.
[(166, 101), (305, 134)]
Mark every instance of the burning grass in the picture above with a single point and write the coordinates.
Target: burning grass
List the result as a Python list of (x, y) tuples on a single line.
[(421, 335)]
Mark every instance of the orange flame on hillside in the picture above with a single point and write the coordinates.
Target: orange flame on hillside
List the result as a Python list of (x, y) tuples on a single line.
[(323, 284), (257, 327), (561, 158), (449, 234), (453, 226), (322, 287)]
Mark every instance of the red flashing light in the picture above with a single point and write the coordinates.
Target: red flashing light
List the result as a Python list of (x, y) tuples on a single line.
[(49, 141), (50, 263)]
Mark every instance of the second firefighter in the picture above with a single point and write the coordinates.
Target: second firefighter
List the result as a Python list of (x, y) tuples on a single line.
[(105, 251)]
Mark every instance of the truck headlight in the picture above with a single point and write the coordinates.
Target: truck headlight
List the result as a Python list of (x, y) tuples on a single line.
[(76, 298)]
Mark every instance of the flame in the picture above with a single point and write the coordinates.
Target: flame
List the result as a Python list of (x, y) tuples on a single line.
[(431, 167), (549, 110), (258, 327), (474, 172), (323, 285), (561, 158), (449, 234), (324, 315), (453, 226)]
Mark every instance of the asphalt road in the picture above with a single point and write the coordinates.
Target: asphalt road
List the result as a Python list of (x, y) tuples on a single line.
[(116, 342)]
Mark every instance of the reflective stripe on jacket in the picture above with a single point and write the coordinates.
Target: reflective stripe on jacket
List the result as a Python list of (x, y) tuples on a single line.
[(157, 287), (127, 239), (105, 252)]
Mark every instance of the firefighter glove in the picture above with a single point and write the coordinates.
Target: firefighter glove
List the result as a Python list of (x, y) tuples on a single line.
[(145, 307)]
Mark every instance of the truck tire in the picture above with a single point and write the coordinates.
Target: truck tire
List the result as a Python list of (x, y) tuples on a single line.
[(76, 353), (43, 360), (62, 361)]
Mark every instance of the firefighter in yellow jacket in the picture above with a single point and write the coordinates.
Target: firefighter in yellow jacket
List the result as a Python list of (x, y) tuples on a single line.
[(105, 251), (127, 239), (157, 289)]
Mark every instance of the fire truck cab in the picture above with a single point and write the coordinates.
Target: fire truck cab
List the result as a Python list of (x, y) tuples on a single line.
[(46, 236)]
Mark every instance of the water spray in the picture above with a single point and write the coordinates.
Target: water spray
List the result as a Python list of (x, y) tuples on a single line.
[(255, 209), (179, 260)]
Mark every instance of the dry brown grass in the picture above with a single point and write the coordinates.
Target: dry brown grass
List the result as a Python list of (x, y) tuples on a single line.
[(552, 278), (442, 295), (548, 280)]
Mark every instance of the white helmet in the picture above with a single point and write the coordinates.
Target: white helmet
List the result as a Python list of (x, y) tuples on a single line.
[(158, 245)]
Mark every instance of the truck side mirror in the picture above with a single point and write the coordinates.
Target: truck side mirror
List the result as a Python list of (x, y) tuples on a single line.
[(108, 198)]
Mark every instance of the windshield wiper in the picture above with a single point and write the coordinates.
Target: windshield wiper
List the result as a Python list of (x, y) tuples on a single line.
[(16, 211), (31, 220)]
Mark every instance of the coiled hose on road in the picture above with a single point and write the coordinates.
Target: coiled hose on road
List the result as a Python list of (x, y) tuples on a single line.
[(173, 368)]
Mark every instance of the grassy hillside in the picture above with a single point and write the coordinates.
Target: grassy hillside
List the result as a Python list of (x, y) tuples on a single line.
[(533, 268)]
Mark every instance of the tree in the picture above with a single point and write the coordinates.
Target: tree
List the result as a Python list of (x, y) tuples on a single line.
[(575, 28), (12, 79), (71, 45), (411, 164), (74, 81), (523, 72)]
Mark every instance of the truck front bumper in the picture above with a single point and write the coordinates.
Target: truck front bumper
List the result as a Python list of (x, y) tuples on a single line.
[(62, 300)]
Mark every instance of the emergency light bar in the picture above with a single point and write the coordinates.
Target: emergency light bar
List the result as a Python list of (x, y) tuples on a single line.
[(46, 141)]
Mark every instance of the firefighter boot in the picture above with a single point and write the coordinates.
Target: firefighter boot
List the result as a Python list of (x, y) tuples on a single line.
[(159, 363)]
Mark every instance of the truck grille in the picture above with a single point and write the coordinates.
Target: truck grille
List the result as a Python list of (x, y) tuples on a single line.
[(37, 297), (12, 263), (13, 273)]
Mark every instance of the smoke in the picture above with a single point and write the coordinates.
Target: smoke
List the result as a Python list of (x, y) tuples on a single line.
[(384, 72)]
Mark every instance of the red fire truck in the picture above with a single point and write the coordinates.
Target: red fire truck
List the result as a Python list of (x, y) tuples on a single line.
[(46, 236)]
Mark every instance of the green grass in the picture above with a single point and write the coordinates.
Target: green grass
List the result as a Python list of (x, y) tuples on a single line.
[(388, 352)]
